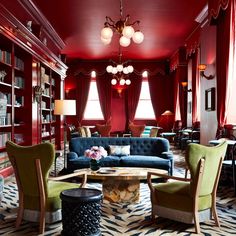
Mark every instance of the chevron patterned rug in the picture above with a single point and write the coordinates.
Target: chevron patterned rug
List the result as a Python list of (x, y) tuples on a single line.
[(127, 219)]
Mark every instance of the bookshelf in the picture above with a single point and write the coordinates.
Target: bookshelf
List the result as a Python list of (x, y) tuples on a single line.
[(25, 63)]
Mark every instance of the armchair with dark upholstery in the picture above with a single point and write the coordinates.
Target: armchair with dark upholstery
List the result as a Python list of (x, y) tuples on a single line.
[(39, 199), (190, 200)]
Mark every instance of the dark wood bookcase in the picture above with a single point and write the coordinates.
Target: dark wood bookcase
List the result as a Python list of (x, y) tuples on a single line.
[(27, 63)]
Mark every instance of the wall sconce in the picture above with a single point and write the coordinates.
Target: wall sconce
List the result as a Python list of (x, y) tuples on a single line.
[(202, 68), (185, 87)]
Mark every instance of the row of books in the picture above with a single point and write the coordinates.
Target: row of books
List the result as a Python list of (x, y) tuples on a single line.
[(6, 120), (19, 63), (5, 56), (19, 81), (3, 138)]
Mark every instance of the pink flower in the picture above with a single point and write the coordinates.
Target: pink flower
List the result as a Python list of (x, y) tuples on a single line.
[(95, 152)]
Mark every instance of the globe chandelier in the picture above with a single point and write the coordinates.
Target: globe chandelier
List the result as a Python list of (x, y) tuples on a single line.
[(120, 72), (124, 28)]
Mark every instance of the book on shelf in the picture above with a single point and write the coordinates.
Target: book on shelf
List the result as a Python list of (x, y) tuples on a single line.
[(5, 56), (19, 63), (3, 138)]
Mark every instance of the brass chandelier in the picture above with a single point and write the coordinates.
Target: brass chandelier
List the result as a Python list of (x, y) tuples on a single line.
[(124, 28)]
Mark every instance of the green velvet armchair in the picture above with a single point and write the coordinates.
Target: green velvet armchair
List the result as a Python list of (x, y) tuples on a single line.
[(39, 199), (191, 200)]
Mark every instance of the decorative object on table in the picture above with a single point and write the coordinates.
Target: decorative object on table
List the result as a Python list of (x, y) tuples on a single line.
[(2, 75), (123, 27), (38, 91), (95, 154), (65, 107)]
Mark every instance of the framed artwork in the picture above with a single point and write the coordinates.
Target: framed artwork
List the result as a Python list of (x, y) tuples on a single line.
[(210, 99)]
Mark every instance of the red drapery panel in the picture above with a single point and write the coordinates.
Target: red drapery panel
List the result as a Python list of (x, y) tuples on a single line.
[(222, 55), (161, 93), (104, 92), (83, 83), (132, 96), (195, 88)]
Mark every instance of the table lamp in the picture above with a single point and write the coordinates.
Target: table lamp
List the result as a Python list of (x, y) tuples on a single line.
[(65, 108)]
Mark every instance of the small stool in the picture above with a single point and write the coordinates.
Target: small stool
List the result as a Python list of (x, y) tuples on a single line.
[(81, 212)]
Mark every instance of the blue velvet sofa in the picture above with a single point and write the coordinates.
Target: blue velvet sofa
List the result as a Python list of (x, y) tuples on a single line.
[(144, 152)]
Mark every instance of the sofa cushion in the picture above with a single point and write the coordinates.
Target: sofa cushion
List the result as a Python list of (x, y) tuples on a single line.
[(145, 161), (119, 150)]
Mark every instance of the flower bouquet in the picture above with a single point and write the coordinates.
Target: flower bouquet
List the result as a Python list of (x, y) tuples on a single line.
[(95, 154)]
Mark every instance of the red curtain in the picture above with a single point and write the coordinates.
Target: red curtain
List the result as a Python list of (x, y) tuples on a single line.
[(132, 97), (195, 88), (104, 92), (161, 92), (83, 84), (222, 60)]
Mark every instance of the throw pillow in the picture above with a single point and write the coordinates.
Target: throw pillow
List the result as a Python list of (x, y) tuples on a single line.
[(119, 150)]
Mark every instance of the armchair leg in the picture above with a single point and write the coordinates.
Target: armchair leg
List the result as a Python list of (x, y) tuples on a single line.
[(215, 216), (196, 222), (20, 211)]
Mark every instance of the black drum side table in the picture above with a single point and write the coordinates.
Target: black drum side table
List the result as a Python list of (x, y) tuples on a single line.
[(81, 212)]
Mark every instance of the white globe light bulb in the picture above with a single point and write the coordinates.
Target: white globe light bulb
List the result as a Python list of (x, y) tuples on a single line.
[(105, 41), (122, 82), (114, 71), (128, 31), (124, 42), (109, 69), (130, 69), (113, 81), (119, 67), (106, 33), (125, 71), (128, 82), (138, 37)]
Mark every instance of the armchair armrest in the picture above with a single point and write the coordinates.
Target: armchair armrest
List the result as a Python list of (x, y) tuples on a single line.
[(149, 179), (76, 174)]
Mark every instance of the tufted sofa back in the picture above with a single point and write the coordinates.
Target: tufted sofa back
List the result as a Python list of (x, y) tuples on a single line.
[(138, 146)]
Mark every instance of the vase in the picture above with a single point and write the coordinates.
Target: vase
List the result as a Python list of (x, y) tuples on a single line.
[(94, 165)]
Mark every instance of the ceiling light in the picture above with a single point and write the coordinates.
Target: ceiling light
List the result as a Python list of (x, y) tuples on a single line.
[(124, 28)]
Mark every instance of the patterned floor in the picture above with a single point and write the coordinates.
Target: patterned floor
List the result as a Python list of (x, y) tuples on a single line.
[(127, 219)]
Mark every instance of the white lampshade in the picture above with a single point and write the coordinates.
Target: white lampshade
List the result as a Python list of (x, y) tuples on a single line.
[(124, 42), (138, 37), (105, 41), (106, 33), (109, 69), (122, 82), (113, 81), (119, 67), (130, 69), (128, 31), (128, 82), (65, 107)]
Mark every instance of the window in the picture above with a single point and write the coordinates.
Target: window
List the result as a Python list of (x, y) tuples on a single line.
[(145, 108), (93, 108)]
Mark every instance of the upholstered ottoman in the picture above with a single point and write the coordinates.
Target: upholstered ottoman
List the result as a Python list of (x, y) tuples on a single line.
[(81, 212)]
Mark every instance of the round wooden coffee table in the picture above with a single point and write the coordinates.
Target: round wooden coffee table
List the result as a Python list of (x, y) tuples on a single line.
[(121, 184)]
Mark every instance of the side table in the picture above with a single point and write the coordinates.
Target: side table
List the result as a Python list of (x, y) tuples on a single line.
[(81, 212)]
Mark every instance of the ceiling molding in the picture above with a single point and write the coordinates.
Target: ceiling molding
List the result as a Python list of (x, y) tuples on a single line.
[(39, 18)]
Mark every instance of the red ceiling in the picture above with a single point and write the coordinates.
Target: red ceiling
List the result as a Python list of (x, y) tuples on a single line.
[(165, 24)]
